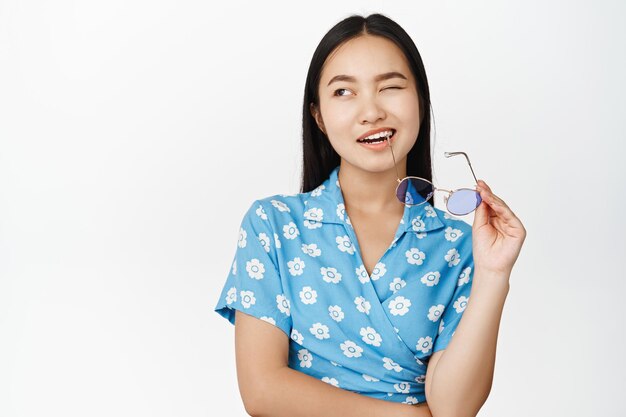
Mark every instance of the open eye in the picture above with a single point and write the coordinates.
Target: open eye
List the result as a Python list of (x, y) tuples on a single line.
[(340, 89)]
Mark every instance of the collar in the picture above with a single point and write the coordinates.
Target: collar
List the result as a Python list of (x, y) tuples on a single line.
[(329, 198)]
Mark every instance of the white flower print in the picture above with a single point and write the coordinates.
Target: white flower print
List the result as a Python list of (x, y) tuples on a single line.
[(290, 230), (370, 336), (435, 312), (255, 268), (336, 313), (362, 305), (397, 284), (344, 244), (351, 349), (402, 387), (461, 303), (320, 331), (261, 212), (341, 211), (424, 344), (235, 267), (421, 235), (331, 381), (464, 277), (431, 278), (418, 224), (370, 378), (453, 234), (296, 336), (247, 298), (410, 400), (399, 306), (283, 304), (453, 257), (420, 379), (335, 363), (308, 295), (280, 205), (447, 215), (276, 241), (311, 250), (265, 241), (430, 211), (388, 363), (378, 271), (441, 327), (348, 220), (242, 238), (269, 320), (313, 218), (296, 266), (231, 296), (305, 358), (415, 256), (318, 190), (361, 273), (330, 275)]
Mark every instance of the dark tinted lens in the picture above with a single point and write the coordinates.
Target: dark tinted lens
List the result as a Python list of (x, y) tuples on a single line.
[(463, 201), (414, 191)]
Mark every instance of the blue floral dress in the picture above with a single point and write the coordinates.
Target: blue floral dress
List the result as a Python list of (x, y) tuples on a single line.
[(298, 266)]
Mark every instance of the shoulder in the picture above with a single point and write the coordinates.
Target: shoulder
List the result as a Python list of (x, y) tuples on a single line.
[(279, 209), (456, 230), (453, 222)]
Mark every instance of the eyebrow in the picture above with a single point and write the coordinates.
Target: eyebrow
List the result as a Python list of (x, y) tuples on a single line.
[(379, 77)]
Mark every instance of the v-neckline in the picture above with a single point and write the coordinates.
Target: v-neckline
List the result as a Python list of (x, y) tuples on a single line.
[(400, 230)]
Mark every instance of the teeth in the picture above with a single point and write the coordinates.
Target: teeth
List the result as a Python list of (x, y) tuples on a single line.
[(379, 135)]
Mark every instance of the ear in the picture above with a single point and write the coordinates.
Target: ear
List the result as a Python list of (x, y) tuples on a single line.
[(317, 116)]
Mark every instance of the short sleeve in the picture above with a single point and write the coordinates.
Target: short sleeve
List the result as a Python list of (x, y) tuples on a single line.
[(253, 284), (454, 310)]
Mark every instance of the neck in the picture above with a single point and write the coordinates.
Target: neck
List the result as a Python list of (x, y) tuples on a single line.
[(371, 192)]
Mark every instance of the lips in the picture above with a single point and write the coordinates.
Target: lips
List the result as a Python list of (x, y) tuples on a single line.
[(374, 131)]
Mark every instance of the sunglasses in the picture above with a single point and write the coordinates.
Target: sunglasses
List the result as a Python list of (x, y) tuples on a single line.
[(414, 191)]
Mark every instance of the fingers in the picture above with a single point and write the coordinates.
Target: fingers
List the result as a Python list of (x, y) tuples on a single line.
[(498, 205)]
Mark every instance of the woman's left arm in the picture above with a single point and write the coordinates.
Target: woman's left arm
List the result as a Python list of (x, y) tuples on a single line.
[(459, 378)]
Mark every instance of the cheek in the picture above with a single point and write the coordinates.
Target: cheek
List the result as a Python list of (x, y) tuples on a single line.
[(338, 118), (408, 108)]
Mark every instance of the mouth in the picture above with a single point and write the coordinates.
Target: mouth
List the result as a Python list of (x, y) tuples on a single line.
[(378, 137)]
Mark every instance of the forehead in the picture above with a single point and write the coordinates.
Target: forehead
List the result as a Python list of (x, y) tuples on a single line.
[(365, 57)]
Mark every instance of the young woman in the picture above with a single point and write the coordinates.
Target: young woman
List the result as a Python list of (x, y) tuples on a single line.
[(346, 296)]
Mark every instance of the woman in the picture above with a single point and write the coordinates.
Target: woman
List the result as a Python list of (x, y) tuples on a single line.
[(345, 300)]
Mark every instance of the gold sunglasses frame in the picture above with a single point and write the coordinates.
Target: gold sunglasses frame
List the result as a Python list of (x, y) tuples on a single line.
[(450, 192)]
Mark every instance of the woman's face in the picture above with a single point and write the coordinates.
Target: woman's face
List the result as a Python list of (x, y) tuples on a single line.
[(356, 102)]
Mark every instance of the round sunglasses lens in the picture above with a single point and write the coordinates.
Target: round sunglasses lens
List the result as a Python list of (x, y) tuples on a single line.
[(414, 191), (463, 201)]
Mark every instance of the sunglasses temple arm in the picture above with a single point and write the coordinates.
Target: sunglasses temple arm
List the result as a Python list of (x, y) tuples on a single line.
[(449, 154), (394, 158)]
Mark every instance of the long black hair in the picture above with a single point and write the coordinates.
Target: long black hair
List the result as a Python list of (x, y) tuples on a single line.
[(319, 157)]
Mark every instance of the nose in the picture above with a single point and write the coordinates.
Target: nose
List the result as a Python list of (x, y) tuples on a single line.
[(371, 110)]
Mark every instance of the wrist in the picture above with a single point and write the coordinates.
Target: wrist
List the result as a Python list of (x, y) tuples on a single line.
[(491, 279)]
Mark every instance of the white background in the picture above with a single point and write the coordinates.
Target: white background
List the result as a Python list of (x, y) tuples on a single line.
[(135, 134)]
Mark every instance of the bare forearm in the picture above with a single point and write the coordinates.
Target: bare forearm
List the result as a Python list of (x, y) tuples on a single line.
[(290, 393), (463, 376)]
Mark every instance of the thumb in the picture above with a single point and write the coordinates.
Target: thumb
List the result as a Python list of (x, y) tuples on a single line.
[(481, 216)]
